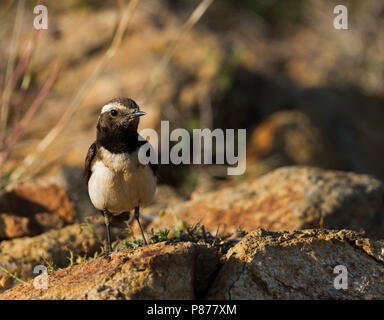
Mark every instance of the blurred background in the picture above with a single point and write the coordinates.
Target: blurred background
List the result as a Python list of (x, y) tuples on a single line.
[(307, 94)]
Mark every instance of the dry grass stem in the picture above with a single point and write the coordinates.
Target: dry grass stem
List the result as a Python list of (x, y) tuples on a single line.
[(4, 108), (154, 77), (74, 105)]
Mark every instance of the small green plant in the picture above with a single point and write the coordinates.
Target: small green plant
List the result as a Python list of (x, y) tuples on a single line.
[(90, 227), (71, 258), (126, 244), (196, 234), (51, 267), (137, 242), (14, 276), (159, 236), (241, 233), (95, 256), (162, 213), (114, 246), (80, 260)]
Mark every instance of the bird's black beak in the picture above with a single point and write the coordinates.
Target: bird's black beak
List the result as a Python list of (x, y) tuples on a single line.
[(136, 114)]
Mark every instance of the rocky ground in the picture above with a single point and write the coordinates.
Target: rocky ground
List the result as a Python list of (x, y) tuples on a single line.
[(263, 265), (287, 198), (217, 246)]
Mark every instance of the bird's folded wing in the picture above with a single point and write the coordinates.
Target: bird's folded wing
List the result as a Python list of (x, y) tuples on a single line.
[(88, 162)]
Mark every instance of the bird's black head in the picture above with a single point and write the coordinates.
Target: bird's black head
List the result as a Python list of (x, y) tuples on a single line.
[(118, 122)]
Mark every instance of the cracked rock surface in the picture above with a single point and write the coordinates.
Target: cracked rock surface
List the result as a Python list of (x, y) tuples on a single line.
[(264, 265), (300, 265), (156, 271)]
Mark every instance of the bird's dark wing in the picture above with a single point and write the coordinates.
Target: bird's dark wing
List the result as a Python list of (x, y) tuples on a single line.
[(88, 162)]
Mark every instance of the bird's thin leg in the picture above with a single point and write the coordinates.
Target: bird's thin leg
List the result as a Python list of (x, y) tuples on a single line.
[(137, 214), (107, 220)]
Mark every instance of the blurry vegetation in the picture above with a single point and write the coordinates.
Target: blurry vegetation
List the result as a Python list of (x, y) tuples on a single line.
[(19, 78), (254, 58), (224, 79), (274, 11), (94, 4), (19, 99)]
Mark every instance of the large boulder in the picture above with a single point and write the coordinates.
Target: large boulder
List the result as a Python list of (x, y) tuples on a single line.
[(288, 198), (30, 209), (156, 271), (301, 265), (290, 138)]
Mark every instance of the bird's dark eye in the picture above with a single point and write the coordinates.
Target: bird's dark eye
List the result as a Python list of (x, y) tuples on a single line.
[(113, 113)]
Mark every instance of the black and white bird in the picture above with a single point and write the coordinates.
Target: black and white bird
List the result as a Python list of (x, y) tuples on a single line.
[(117, 181)]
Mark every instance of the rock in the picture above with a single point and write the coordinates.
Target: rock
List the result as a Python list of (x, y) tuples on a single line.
[(3, 282), (20, 256), (288, 198), (156, 271), (300, 265), (292, 138), (14, 227), (30, 209), (70, 178), (165, 196), (357, 136)]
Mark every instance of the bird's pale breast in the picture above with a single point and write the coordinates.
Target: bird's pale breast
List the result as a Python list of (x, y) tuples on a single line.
[(119, 182)]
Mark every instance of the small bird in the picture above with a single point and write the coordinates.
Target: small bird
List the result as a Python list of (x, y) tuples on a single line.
[(116, 180)]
